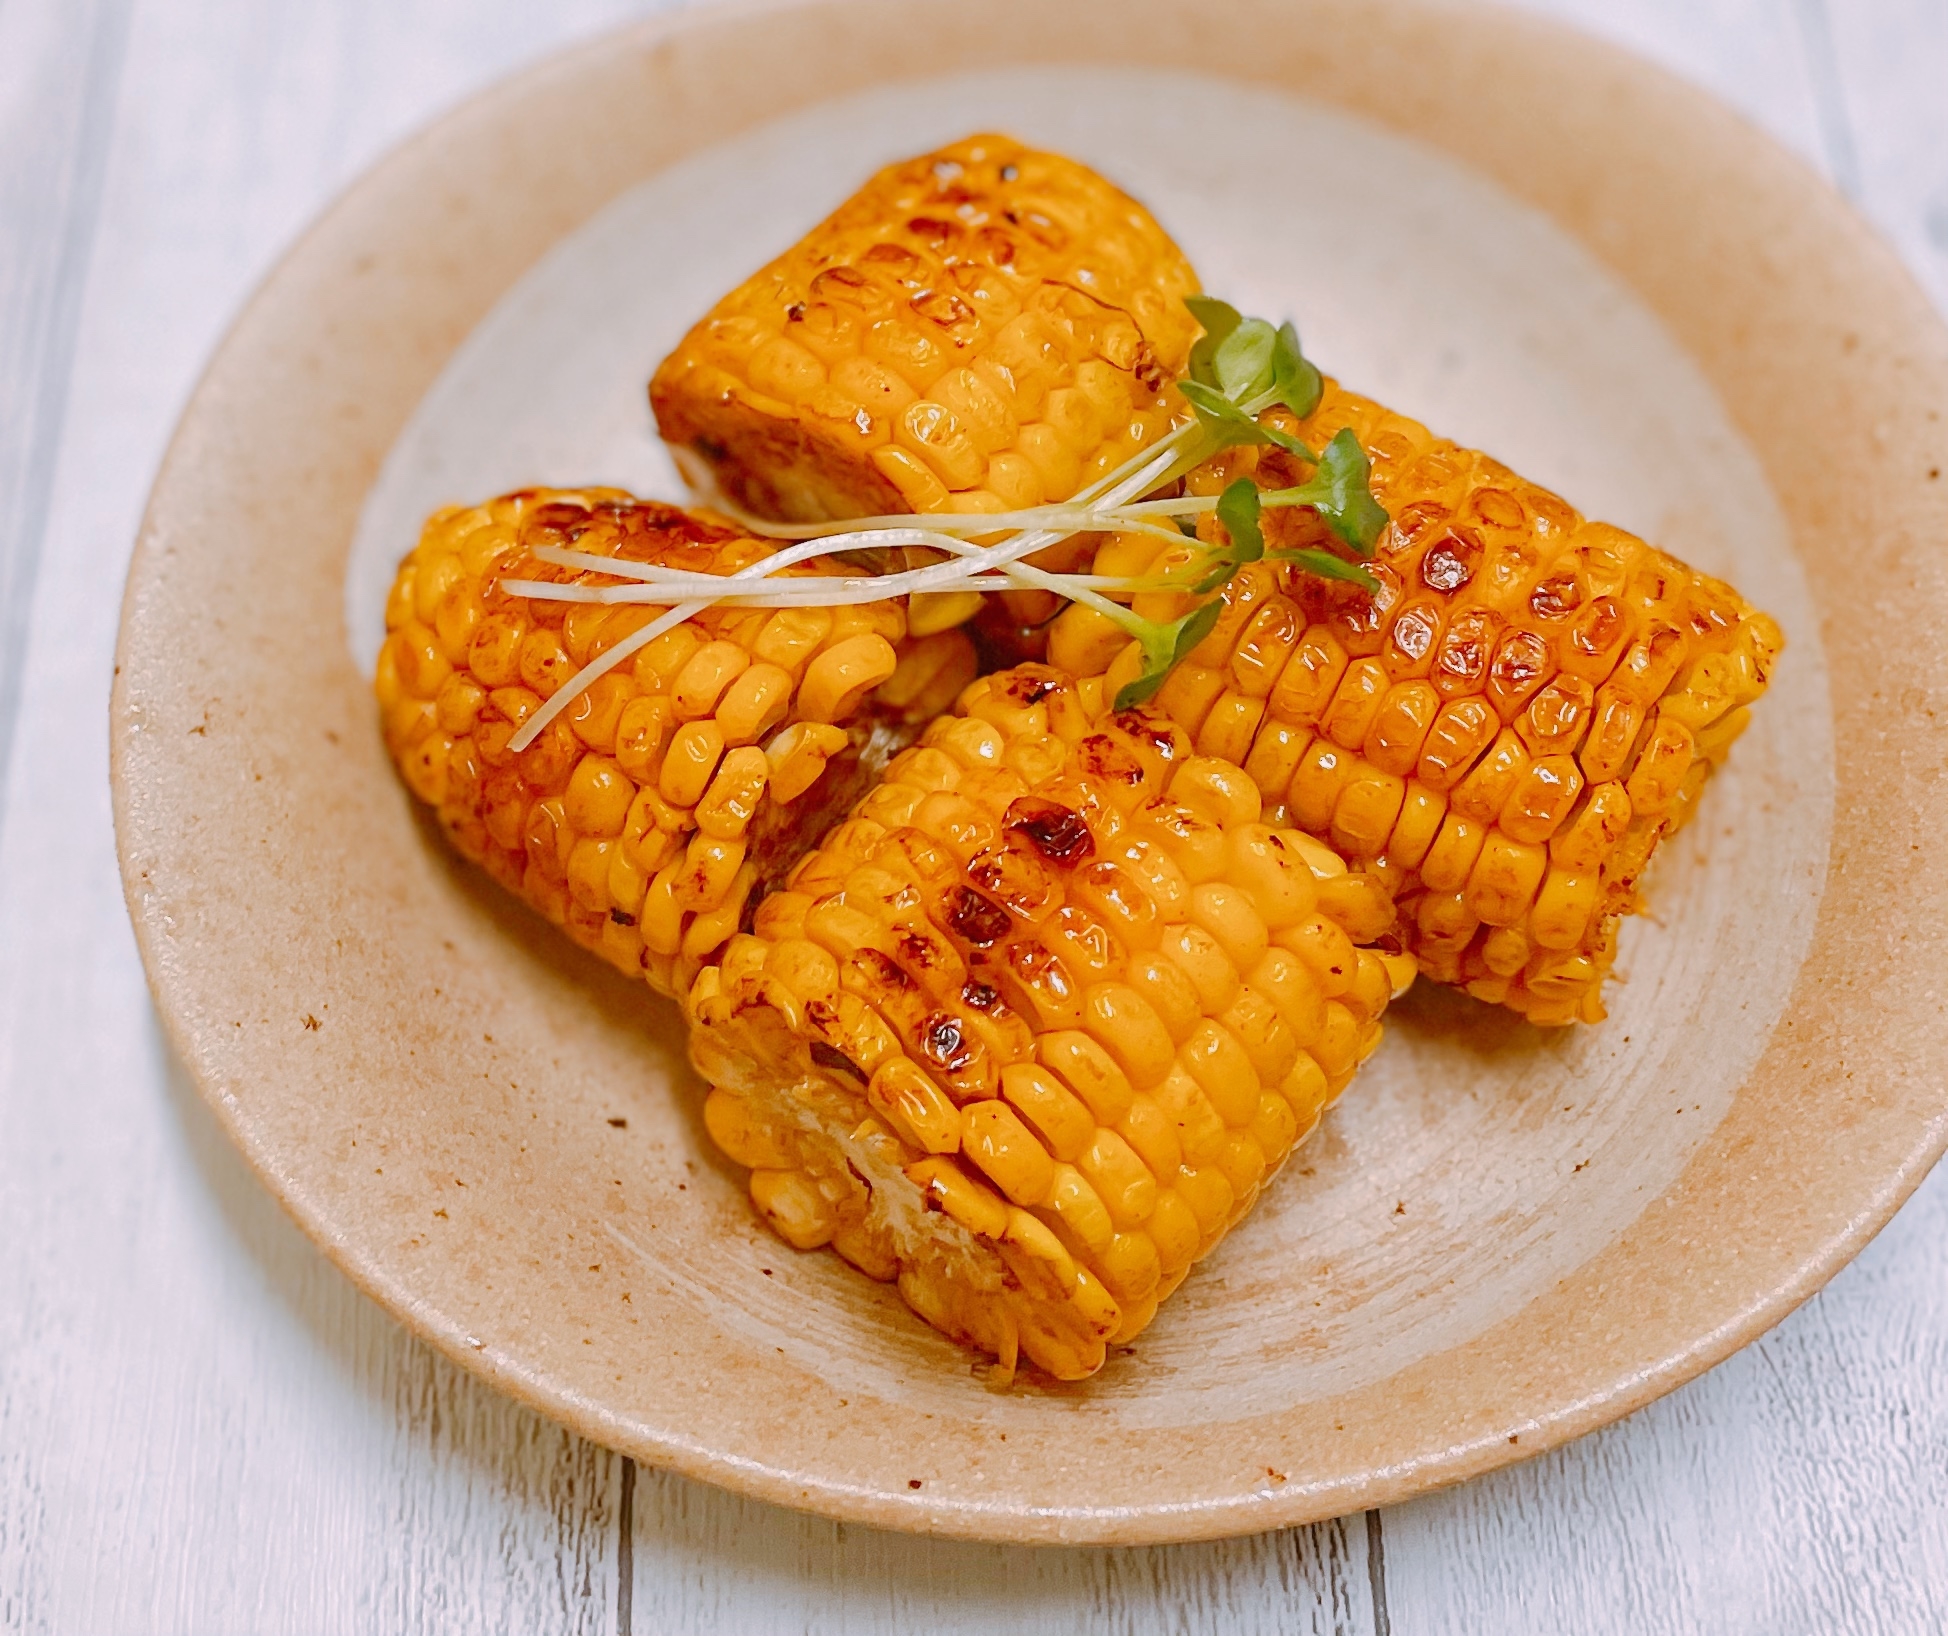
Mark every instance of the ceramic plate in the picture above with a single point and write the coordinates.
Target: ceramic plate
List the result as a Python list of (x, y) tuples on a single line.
[(1502, 1237)]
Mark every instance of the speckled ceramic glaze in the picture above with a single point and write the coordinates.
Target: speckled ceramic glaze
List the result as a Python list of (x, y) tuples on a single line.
[(1501, 1238)]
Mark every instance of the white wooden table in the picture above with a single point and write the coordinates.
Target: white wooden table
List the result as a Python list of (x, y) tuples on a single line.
[(203, 1428)]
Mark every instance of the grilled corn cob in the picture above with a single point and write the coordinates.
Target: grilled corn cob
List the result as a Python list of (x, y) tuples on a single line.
[(643, 817), (1501, 734), (1030, 1031), (979, 329)]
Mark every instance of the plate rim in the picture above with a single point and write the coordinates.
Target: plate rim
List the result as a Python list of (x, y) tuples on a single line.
[(430, 151)]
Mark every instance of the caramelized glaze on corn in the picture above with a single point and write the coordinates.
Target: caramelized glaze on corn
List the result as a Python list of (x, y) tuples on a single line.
[(643, 817), (979, 329), (1502, 734), (1029, 1033)]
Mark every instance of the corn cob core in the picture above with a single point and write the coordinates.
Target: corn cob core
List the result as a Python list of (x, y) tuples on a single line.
[(979, 329), (1501, 734), (1030, 1032), (643, 818)]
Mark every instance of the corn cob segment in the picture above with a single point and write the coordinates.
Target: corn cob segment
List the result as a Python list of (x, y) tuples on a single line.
[(979, 329), (644, 817), (1030, 1032), (1502, 734)]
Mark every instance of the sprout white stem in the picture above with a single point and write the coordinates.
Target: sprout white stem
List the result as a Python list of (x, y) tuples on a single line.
[(595, 669), (1111, 504)]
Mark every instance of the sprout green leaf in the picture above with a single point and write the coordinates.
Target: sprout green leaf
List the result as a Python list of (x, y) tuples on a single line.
[(1237, 509), (1219, 319), (1164, 648), (1228, 425), (1340, 490), (1327, 566), (1243, 360), (1295, 382)]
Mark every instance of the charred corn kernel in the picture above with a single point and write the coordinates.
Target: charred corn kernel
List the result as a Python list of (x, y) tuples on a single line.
[(691, 763), (1326, 949), (793, 1208), (1088, 1070), (598, 797), (1563, 909), (798, 755), (1523, 679), (840, 677), (1043, 1182), (1130, 1267), (945, 1187), (754, 703), (1223, 1072), (726, 808), (922, 1113), (1232, 919), (1010, 1155), (1167, 992), (742, 1137), (1130, 1031), (703, 679), (941, 611), (1054, 1111), (1451, 859), (588, 874), (699, 733)]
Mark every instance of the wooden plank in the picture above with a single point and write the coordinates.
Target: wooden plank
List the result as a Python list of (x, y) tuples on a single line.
[(1890, 60), (708, 1563), (59, 69), (202, 1426), (1797, 1488)]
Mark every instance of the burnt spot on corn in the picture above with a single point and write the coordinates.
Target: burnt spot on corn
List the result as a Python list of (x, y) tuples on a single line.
[(621, 917), (921, 953), (1157, 732), (1102, 757), (1027, 685), (979, 996), (1017, 879), (977, 921), (943, 1042), (832, 1058), (1041, 971), (1060, 834), (883, 970), (1556, 597)]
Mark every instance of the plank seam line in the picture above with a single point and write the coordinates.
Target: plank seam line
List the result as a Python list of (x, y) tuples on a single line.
[(1376, 1574), (626, 1550), (19, 569), (1829, 96)]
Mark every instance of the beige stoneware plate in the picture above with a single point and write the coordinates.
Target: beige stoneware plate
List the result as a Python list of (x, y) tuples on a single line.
[(1501, 1238)]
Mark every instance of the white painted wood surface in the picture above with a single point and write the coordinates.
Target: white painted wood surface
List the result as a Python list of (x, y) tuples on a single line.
[(204, 1429)]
